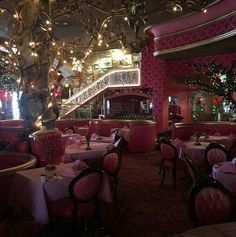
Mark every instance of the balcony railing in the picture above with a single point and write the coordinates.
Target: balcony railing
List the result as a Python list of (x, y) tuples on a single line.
[(114, 79)]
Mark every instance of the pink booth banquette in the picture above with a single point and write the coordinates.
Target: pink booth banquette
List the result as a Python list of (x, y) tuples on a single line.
[(138, 130), (11, 162), (185, 131)]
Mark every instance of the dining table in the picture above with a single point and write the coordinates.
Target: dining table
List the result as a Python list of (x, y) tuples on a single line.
[(80, 151), (30, 193), (225, 172), (227, 141), (227, 229), (195, 151)]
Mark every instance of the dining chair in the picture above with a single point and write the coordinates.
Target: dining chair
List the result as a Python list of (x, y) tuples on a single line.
[(190, 167), (83, 202), (209, 202), (232, 151), (171, 160), (160, 137), (111, 165), (214, 153), (45, 143)]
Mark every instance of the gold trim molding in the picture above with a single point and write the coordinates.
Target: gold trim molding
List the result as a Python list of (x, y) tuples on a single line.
[(196, 44), (196, 27)]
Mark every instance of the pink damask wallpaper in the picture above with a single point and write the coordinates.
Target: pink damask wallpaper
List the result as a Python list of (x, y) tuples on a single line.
[(156, 72)]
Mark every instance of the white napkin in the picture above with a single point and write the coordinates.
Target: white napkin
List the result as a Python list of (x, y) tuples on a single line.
[(178, 143), (227, 167)]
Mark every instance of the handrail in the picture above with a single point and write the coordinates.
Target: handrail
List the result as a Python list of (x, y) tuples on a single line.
[(113, 79)]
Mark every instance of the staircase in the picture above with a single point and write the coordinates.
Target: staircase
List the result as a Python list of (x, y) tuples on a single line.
[(113, 79)]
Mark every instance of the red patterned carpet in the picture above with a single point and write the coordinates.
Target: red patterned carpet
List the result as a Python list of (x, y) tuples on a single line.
[(148, 209)]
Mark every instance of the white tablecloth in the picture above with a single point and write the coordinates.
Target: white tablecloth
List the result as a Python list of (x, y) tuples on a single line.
[(196, 152), (28, 191), (75, 151), (225, 172), (227, 141), (219, 230)]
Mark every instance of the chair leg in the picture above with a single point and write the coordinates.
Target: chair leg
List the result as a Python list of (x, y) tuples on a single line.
[(174, 178), (161, 165), (163, 175), (115, 197)]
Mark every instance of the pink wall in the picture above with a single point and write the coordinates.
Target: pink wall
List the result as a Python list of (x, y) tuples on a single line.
[(215, 11), (155, 74)]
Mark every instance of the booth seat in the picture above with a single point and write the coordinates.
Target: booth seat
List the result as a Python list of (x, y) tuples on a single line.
[(185, 131), (62, 124), (138, 130)]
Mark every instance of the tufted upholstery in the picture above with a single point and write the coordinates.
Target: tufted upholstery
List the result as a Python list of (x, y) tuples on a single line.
[(185, 131), (210, 203), (208, 210), (214, 153), (83, 196), (111, 165), (44, 140), (138, 129), (216, 156)]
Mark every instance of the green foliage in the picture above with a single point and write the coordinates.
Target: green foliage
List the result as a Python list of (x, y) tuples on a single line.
[(8, 77), (214, 79)]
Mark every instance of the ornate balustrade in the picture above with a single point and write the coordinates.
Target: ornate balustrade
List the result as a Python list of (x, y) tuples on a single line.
[(114, 79)]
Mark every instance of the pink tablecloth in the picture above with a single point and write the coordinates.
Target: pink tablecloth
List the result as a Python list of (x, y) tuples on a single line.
[(74, 152), (28, 191), (225, 172)]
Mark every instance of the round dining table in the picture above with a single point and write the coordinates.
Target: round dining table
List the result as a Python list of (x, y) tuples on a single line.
[(79, 152), (196, 152), (225, 172)]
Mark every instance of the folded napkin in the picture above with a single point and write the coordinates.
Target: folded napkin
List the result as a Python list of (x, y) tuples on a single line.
[(178, 143), (94, 136), (79, 165), (68, 172)]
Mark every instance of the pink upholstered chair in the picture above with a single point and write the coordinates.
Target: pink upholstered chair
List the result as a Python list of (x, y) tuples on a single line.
[(209, 202), (171, 160), (214, 153), (82, 202), (111, 165), (45, 141)]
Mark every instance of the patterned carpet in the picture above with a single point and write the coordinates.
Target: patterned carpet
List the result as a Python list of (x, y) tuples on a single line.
[(147, 209)]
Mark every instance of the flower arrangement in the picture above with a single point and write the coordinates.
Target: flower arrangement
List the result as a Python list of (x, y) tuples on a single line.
[(198, 108), (216, 104)]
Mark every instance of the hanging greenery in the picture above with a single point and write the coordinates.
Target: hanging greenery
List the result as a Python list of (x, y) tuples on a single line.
[(214, 79)]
